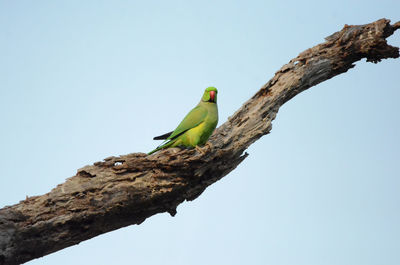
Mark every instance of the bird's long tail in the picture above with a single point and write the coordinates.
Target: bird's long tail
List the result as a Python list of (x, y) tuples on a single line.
[(162, 146)]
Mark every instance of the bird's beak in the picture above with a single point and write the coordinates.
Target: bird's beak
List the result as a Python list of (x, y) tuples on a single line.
[(212, 96)]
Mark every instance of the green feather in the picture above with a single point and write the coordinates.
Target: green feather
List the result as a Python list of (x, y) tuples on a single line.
[(198, 124), (191, 120)]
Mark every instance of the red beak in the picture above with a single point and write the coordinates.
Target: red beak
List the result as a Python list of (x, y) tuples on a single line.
[(212, 96)]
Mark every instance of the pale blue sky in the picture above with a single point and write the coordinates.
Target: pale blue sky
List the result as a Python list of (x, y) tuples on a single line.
[(83, 80)]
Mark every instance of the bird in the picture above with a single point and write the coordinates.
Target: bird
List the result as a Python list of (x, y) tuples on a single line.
[(197, 126)]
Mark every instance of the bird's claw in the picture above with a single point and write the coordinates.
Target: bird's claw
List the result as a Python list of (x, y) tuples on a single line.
[(203, 150), (199, 149)]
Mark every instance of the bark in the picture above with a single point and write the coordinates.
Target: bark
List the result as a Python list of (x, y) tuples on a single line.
[(125, 190)]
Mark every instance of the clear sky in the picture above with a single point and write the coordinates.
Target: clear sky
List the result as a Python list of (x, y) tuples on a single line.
[(83, 80)]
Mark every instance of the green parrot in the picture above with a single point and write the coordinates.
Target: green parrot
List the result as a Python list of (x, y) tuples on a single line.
[(196, 127)]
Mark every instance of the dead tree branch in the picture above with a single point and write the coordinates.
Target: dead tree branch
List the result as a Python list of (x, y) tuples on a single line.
[(125, 190)]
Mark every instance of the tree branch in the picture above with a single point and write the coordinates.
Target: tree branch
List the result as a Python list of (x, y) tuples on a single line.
[(125, 190)]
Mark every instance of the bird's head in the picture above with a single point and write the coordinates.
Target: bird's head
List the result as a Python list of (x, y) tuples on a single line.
[(210, 95)]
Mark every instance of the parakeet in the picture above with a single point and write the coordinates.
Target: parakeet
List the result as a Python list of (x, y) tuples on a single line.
[(196, 127)]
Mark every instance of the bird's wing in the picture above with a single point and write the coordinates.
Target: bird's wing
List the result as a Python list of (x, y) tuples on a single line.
[(192, 119)]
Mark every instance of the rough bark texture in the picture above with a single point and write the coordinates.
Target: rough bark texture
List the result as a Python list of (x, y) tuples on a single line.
[(125, 190)]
